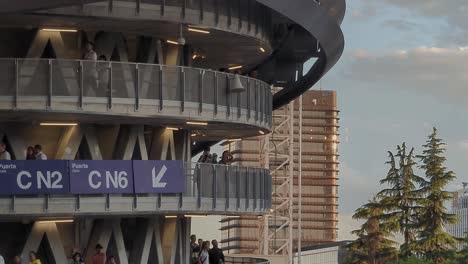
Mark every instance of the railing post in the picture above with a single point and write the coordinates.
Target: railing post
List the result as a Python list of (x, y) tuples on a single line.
[(198, 185), (261, 103), (238, 105), (256, 100), (228, 96), (78, 202), (200, 90), (49, 93), (137, 87), (238, 182), (161, 88), (182, 89), (110, 83), (13, 204), (46, 207), (255, 195), (16, 84), (248, 98), (247, 188), (215, 93), (226, 179), (215, 186), (81, 83)]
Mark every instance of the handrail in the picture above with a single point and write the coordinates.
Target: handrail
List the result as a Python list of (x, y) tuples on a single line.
[(108, 82), (245, 260), (209, 188)]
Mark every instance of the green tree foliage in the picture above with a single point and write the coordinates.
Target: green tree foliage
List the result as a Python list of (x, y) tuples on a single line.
[(412, 206), (373, 245), (433, 240), (402, 198)]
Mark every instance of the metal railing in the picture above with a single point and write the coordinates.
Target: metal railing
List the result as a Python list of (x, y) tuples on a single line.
[(209, 188), (235, 184), (138, 83), (245, 260)]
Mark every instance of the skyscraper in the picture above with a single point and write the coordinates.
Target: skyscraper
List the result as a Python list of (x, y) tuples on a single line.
[(319, 176)]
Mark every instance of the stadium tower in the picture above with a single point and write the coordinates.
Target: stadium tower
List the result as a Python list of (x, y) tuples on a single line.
[(121, 94)]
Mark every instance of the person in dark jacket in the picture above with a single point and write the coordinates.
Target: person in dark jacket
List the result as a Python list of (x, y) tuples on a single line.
[(216, 254)]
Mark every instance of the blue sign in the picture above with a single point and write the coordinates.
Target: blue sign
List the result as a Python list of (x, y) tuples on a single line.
[(20, 177), (101, 176), (159, 176)]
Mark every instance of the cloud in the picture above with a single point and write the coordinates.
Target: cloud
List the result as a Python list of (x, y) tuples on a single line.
[(365, 12), (453, 12), (346, 224), (440, 72), (355, 184), (399, 24), (463, 145)]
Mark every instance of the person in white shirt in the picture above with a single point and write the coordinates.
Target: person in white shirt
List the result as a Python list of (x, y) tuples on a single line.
[(38, 152), (90, 73), (2, 260), (204, 257)]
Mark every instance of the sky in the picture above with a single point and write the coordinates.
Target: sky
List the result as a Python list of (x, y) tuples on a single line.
[(403, 71)]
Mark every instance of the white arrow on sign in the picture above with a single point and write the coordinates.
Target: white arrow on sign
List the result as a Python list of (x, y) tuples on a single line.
[(157, 178)]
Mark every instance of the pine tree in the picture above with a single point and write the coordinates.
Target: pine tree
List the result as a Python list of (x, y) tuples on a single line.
[(373, 245), (433, 240), (402, 198)]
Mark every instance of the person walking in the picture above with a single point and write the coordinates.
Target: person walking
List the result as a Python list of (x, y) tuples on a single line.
[(30, 153), (216, 254), (33, 259), (38, 153), (99, 257), (204, 257), (4, 154)]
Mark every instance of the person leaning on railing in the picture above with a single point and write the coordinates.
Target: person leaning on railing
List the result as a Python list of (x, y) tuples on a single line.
[(226, 158), (4, 154), (89, 69), (206, 156)]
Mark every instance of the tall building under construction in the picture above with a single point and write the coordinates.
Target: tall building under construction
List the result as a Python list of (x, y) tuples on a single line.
[(280, 151)]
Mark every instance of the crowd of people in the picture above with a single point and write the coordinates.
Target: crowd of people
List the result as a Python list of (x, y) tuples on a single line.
[(207, 157), (201, 253), (32, 153), (99, 257)]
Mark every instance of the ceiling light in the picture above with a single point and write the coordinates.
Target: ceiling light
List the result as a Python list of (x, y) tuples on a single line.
[(55, 221), (193, 135), (59, 30), (262, 49), (235, 67), (197, 123), (193, 216), (57, 124), (170, 216), (194, 56), (198, 30), (172, 42), (172, 128), (235, 139), (261, 132)]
